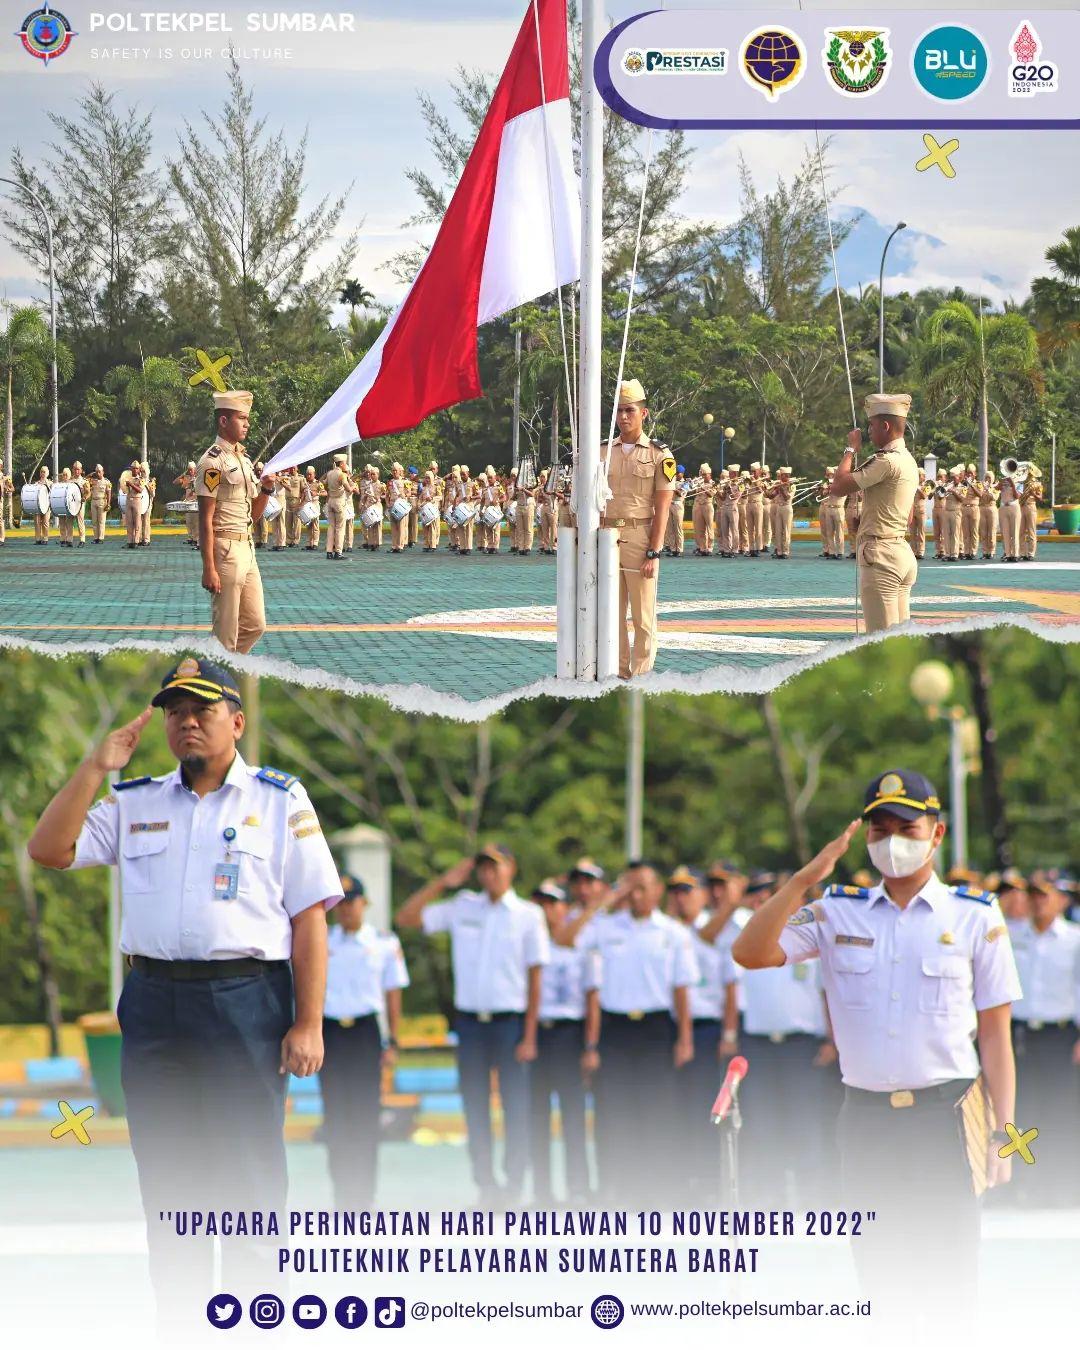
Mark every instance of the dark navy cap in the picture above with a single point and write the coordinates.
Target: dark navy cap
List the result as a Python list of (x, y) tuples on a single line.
[(585, 867), (724, 870), (492, 852), (549, 890), (202, 678), (902, 793), (352, 888), (684, 878), (760, 880)]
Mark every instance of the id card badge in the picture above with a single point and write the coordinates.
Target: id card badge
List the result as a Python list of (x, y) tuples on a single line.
[(226, 880), (801, 970)]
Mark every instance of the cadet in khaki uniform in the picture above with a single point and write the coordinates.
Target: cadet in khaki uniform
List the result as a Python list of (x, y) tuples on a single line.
[(917, 523), (853, 504), (186, 481), (1030, 498), (132, 484), (524, 519), (336, 480), (704, 514), (953, 514), (781, 496), (428, 493), (41, 522), (311, 490), (969, 515), (468, 493), (987, 493), (145, 519), (831, 518), (412, 483), (293, 483), (937, 514), (64, 522), (888, 482), (100, 501), (755, 511), (397, 489), (730, 494), (352, 487), (83, 484), (1009, 516), (258, 529), (547, 515), (229, 501), (641, 474), (674, 537), (371, 494)]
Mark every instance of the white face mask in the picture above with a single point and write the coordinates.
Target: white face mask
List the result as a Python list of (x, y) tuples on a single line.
[(898, 856)]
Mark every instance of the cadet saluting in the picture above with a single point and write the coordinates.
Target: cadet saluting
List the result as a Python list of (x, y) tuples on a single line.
[(888, 483), (225, 879), (913, 972)]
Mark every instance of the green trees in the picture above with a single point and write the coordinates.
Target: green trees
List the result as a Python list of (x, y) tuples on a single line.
[(25, 353), (156, 388)]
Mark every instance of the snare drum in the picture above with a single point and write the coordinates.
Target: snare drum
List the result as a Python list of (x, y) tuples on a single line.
[(462, 514), (35, 499), (491, 516), (371, 516), (429, 514), (400, 508), (511, 512), (273, 509), (65, 499), (181, 508), (308, 513)]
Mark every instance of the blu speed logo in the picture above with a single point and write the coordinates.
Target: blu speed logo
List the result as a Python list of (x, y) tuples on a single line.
[(951, 63)]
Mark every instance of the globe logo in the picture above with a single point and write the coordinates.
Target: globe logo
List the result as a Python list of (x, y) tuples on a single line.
[(773, 60), (951, 63), (607, 1311), (45, 34)]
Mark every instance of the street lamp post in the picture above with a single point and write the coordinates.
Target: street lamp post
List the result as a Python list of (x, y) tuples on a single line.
[(881, 307), (52, 323), (931, 684)]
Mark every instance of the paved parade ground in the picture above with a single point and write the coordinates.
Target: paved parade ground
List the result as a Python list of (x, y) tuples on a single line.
[(479, 627)]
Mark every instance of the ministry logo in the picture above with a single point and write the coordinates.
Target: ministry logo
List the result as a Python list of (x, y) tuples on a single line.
[(857, 61), (46, 34), (772, 60)]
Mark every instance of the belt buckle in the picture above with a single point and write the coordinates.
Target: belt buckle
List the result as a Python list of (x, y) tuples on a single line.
[(346, 1022), (636, 1015), (1036, 1026), (898, 1100), (483, 1017), (777, 1038), (548, 1023)]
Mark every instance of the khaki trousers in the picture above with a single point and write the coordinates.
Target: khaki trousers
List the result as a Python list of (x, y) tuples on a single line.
[(41, 526), (783, 518), (675, 533), (258, 531), (465, 535), (191, 522), (431, 535), (704, 524), (312, 533), (1029, 518), (969, 529), (67, 531), (952, 533), (132, 520), (1009, 516), (834, 527), (887, 572), (756, 525), (335, 527), (548, 527), (350, 527), (97, 519), (399, 532), (414, 524), (639, 594), (292, 523), (237, 614), (525, 524), (917, 529), (729, 527), (938, 518), (988, 530), (143, 532), (80, 522), (744, 527), (852, 516)]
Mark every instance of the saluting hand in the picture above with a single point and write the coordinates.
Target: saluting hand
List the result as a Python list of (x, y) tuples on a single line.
[(459, 874), (115, 751), (822, 866)]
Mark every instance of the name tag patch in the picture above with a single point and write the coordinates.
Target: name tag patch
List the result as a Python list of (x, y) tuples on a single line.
[(148, 826), (226, 881), (853, 940)]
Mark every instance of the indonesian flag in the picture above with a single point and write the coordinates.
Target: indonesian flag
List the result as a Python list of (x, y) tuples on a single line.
[(510, 234)]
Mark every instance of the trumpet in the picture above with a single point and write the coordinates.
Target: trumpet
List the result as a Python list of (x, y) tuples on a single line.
[(695, 485), (1016, 469)]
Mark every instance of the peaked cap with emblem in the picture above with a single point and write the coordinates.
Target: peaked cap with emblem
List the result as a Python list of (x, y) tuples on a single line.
[(202, 678), (902, 793)]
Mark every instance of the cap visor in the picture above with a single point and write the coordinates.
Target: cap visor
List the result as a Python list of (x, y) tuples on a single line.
[(204, 689), (899, 806)]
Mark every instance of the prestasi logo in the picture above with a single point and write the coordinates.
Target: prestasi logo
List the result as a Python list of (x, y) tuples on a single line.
[(676, 61), (951, 63), (1029, 74), (857, 61), (46, 34), (772, 60)]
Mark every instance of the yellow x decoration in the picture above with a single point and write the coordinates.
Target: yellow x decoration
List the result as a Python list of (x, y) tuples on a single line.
[(939, 155), (210, 370), (72, 1123), (1019, 1143)]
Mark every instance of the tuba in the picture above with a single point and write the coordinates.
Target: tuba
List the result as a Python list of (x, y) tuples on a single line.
[(1016, 469)]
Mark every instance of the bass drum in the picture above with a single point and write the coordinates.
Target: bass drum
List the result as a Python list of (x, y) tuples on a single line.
[(371, 516), (65, 499), (308, 513), (273, 509), (429, 514), (462, 514), (35, 499), (491, 516), (400, 508), (143, 501), (511, 513)]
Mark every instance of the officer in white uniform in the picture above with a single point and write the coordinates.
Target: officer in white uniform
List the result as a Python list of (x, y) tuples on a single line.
[(647, 970), (568, 992), (1045, 1023), (498, 947), (712, 1006), (916, 975), (225, 880), (364, 981)]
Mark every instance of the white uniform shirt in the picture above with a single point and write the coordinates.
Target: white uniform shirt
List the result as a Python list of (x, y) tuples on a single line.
[(642, 960), (567, 978), (493, 943), (716, 970), (782, 1000), (1049, 966), (169, 844), (904, 985), (362, 967)]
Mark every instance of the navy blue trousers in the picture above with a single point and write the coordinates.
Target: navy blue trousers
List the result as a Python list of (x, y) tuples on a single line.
[(351, 1080), (556, 1072), (482, 1047), (206, 1113)]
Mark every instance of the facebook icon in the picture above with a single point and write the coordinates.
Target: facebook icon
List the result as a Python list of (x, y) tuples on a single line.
[(350, 1312)]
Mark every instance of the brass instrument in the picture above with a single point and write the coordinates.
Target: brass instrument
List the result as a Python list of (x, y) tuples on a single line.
[(1016, 469)]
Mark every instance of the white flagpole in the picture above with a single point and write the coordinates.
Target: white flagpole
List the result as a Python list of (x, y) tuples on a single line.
[(589, 404)]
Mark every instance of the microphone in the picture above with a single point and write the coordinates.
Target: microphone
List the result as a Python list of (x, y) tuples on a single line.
[(729, 1089)]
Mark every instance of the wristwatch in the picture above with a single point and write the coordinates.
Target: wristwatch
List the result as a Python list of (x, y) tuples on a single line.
[(268, 491), (652, 553)]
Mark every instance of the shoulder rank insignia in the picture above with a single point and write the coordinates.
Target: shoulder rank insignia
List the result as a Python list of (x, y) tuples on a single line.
[(126, 783), (214, 451), (211, 477), (669, 468), (961, 892), (849, 892), (276, 778)]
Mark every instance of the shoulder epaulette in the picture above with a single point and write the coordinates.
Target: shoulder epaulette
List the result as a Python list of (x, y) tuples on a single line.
[(276, 778), (126, 783), (961, 893), (849, 892), (659, 445)]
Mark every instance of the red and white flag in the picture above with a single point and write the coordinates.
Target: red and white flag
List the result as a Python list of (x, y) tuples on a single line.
[(510, 234)]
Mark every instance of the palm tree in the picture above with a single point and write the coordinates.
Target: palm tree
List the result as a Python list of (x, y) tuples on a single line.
[(155, 387), (964, 355), (355, 296), (1057, 299), (25, 353)]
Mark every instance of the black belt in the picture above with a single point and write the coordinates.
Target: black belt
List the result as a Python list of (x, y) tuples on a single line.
[(205, 970), (949, 1093), (1037, 1026), (548, 1022), (637, 1016), (346, 1022), (488, 1016)]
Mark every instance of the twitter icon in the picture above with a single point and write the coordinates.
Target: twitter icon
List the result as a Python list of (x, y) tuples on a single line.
[(223, 1311)]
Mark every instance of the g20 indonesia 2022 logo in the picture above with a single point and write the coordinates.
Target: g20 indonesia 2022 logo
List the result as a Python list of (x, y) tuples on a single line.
[(46, 34), (951, 62)]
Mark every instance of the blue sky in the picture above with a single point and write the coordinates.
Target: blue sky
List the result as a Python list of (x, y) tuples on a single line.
[(988, 227)]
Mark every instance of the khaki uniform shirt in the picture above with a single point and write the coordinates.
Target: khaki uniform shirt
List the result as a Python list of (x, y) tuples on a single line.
[(99, 490), (636, 476), (226, 474), (337, 485), (888, 485), (293, 484)]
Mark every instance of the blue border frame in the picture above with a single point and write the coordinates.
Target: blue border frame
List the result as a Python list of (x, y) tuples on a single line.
[(617, 103)]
